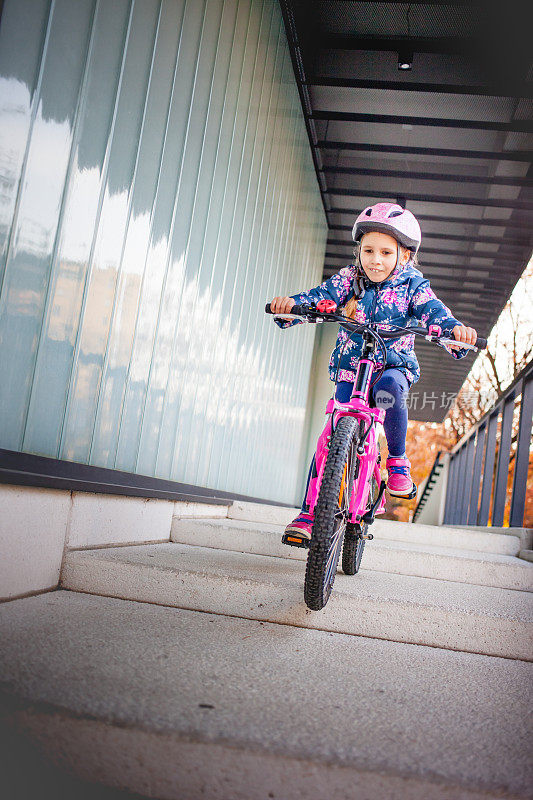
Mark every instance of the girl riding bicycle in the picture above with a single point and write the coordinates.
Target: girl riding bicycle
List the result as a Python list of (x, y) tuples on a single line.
[(383, 286)]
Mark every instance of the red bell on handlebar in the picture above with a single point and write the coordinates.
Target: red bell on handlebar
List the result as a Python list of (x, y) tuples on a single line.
[(326, 306)]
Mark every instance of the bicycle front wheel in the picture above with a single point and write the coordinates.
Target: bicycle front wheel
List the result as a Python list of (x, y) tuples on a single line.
[(331, 515)]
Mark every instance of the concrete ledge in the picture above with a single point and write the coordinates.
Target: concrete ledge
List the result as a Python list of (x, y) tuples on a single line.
[(36, 524), (527, 555), (261, 512), (400, 608), (105, 519), (405, 558), (33, 526), (184, 704), (199, 510)]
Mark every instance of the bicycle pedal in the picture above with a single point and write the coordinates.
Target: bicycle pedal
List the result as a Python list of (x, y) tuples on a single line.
[(294, 540), (366, 536), (409, 496)]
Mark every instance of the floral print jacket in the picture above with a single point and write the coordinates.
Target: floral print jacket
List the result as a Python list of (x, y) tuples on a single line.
[(405, 299)]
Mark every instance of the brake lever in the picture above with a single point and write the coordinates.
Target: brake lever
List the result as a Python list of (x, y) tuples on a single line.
[(461, 345), (286, 317)]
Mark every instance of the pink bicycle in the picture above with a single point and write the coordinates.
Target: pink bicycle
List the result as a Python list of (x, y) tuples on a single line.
[(348, 492)]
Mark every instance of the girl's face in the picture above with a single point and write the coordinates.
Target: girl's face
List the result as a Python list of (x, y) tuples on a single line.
[(378, 255)]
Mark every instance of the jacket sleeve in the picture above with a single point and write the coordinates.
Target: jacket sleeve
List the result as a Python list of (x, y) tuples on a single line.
[(426, 307), (337, 288)]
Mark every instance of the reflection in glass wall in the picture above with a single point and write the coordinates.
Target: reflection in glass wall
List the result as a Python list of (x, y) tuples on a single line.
[(156, 189)]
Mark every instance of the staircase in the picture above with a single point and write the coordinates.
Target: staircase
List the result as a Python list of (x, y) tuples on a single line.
[(192, 668)]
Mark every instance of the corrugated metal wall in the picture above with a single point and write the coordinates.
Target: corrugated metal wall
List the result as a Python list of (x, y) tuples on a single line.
[(157, 188)]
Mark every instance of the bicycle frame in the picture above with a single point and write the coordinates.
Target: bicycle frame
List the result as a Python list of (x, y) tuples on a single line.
[(358, 408)]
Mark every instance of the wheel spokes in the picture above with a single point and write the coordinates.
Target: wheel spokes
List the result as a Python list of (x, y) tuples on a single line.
[(333, 554)]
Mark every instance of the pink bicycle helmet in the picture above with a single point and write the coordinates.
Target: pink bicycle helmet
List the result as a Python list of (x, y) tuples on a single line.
[(392, 219)]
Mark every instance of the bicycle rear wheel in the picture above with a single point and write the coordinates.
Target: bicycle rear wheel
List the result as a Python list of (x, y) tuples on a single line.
[(331, 515), (352, 551)]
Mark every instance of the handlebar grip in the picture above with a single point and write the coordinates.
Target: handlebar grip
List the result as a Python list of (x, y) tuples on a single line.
[(481, 343), (296, 310)]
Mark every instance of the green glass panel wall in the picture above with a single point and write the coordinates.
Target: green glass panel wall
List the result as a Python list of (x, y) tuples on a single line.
[(157, 188)]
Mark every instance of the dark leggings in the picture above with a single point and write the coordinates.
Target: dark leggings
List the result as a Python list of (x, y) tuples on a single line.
[(389, 393)]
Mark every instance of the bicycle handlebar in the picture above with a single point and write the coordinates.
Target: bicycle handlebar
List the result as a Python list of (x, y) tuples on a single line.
[(313, 315)]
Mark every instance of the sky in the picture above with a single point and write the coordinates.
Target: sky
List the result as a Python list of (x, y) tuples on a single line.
[(521, 305)]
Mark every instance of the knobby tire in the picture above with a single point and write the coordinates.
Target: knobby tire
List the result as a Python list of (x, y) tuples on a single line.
[(330, 522)]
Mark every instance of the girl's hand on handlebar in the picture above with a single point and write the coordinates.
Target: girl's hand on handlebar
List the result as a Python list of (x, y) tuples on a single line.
[(282, 305), (463, 334)]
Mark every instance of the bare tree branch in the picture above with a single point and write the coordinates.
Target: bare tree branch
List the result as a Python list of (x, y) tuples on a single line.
[(492, 362)]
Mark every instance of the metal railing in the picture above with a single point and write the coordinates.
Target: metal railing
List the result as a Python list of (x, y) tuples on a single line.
[(471, 468)]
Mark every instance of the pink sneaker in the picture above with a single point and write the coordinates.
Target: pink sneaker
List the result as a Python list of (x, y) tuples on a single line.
[(298, 532), (399, 482)]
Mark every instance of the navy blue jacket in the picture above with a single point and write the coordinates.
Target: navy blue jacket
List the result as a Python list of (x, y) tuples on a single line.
[(405, 299)]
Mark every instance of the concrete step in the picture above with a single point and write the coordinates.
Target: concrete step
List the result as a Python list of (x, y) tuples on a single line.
[(179, 704), (440, 536), (400, 608), (405, 558), (261, 512), (466, 538), (524, 534)]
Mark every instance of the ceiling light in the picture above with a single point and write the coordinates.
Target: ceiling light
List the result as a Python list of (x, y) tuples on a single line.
[(405, 59)]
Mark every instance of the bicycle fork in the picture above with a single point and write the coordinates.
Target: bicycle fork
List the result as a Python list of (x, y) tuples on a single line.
[(368, 460)]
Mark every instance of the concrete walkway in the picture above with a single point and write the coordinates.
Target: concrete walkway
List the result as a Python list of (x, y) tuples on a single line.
[(180, 704), (193, 669)]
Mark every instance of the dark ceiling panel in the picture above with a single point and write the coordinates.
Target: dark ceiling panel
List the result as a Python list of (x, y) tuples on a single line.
[(452, 139), (392, 19)]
